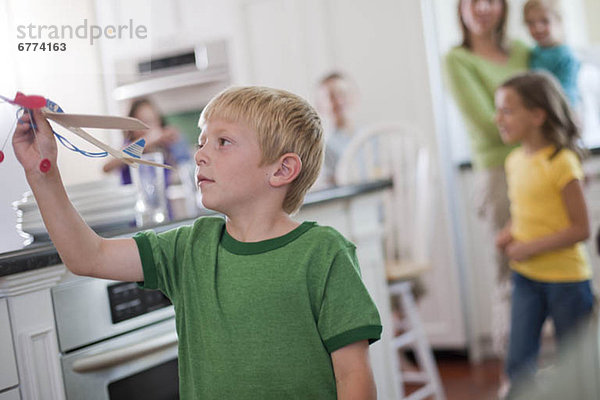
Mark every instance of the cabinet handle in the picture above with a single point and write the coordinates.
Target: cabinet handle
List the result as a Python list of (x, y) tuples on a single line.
[(122, 355)]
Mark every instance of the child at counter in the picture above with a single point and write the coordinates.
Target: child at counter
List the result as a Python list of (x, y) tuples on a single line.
[(337, 99), (544, 23), (266, 307), (168, 141), (549, 220), (336, 102), (159, 137)]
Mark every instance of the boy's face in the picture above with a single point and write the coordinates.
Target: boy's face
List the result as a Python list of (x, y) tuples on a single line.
[(228, 172), (543, 26)]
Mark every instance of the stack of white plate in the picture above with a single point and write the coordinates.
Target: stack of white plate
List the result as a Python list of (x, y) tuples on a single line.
[(104, 205)]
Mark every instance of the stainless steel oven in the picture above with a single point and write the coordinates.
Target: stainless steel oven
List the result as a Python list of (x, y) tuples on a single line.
[(116, 341)]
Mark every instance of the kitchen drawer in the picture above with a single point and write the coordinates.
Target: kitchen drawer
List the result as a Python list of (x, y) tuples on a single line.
[(8, 366)]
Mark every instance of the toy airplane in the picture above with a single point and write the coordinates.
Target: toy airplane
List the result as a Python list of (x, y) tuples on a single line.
[(131, 154)]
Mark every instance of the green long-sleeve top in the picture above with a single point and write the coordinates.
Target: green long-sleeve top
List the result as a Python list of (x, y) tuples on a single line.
[(473, 81)]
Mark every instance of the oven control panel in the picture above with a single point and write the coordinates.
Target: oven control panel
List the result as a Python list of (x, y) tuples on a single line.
[(127, 300)]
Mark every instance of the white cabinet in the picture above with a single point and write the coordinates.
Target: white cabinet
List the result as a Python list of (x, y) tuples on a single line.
[(480, 268), (279, 43), (285, 43), (8, 367), (168, 25), (10, 395), (29, 302), (592, 196), (153, 22)]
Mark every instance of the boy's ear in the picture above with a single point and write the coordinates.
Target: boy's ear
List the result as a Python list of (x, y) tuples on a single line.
[(288, 167)]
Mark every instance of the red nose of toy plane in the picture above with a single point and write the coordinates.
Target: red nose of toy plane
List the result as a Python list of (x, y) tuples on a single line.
[(31, 101)]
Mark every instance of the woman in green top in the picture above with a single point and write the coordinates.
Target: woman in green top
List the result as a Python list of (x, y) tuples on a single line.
[(475, 69)]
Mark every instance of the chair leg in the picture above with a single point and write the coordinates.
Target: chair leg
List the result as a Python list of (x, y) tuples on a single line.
[(417, 337)]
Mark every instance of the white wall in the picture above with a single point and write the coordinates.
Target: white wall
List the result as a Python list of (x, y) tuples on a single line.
[(11, 176), (72, 79), (592, 12)]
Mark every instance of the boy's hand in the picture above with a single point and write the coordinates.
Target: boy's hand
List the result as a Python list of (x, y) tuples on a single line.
[(519, 251), (30, 149)]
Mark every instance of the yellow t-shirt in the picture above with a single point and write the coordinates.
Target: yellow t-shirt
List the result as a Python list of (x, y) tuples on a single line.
[(537, 209)]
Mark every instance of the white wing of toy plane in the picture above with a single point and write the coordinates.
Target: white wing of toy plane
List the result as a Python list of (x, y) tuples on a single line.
[(95, 121), (130, 154)]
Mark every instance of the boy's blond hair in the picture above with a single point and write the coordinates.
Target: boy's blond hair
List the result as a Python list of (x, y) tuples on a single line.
[(283, 122), (548, 5)]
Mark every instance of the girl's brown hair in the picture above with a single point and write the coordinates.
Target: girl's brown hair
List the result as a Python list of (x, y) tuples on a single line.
[(133, 110), (541, 90), (500, 29)]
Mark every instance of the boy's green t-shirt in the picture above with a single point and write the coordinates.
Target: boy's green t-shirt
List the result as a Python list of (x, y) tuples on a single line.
[(259, 320)]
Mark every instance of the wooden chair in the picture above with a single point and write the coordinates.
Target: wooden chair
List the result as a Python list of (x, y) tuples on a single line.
[(401, 155)]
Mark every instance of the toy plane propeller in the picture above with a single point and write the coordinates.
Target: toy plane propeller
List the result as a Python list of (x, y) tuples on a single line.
[(131, 154)]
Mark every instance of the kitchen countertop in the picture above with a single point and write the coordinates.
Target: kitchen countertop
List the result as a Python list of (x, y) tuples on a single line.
[(43, 254), (467, 165)]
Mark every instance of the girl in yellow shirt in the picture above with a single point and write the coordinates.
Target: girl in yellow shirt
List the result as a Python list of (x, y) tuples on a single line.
[(549, 220)]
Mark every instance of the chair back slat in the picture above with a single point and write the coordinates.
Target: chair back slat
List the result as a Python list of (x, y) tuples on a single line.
[(395, 151)]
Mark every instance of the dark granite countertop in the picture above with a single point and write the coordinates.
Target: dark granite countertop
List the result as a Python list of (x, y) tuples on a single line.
[(43, 254)]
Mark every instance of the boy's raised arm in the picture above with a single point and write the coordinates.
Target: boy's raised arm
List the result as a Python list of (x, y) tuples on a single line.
[(80, 248)]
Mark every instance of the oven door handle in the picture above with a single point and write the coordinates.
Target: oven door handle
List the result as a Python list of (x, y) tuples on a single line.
[(122, 355)]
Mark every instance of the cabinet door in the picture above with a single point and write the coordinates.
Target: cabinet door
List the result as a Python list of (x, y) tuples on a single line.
[(10, 395), (140, 25), (285, 43), (592, 197), (8, 367)]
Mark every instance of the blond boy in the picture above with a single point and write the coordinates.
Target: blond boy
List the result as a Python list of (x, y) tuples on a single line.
[(266, 308)]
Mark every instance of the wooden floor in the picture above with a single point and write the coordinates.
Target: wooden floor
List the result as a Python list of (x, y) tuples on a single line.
[(463, 381)]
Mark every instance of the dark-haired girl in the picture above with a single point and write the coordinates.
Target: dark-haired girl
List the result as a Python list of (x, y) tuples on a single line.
[(159, 137), (549, 220)]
